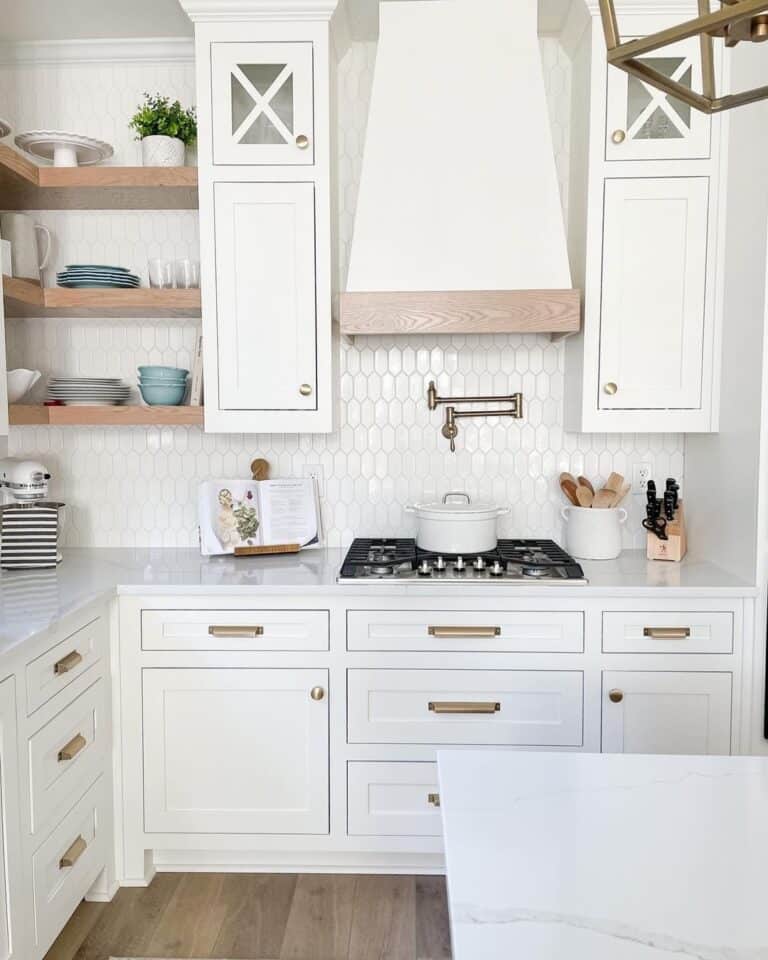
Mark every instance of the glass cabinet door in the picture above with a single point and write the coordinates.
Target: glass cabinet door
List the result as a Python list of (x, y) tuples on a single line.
[(262, 103), (644, 123)]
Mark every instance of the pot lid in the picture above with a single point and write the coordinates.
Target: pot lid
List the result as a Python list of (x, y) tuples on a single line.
[(456, 505)]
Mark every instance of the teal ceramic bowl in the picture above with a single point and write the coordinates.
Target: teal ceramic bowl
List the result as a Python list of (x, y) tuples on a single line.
[(163, 373), (161, 381), (163, 396)]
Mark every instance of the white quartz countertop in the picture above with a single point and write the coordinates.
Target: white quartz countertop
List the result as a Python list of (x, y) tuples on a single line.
[(32, 600), (605, 857)]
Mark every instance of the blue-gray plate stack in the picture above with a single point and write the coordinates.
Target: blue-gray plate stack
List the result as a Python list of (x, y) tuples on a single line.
[(84, 275)]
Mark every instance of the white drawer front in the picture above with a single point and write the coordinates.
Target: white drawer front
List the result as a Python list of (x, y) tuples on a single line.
[(669, 632), (503, 631), (67, 755), (59, 666), (393, 799), (519, 707), (234, 630), (57, 887)]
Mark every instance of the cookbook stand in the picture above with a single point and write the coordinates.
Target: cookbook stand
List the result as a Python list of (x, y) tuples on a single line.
[(675, 546), (260, 471)]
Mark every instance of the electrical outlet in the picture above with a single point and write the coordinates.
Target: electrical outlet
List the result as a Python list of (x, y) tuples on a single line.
[(641, 474), (316, 472)]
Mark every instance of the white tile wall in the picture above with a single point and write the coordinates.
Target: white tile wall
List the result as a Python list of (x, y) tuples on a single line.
[(136, 486)]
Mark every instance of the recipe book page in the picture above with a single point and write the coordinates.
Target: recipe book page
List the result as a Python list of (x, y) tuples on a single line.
[(288, 511)]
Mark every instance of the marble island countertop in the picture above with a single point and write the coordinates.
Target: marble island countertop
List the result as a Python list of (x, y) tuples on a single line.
[(605, 857), (30, 601)]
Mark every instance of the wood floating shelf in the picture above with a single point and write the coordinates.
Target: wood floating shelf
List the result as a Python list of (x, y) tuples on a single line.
[(130, 415), (26, 186), (23, 298), (557, 312)]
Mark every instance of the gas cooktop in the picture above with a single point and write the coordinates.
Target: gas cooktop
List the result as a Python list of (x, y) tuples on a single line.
[(513, 560)]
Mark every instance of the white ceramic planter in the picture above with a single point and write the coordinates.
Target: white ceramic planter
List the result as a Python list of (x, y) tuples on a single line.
[(593, 534), (160, 151), (456, 527)]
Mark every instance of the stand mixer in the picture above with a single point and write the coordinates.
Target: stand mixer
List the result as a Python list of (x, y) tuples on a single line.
[(22, 481)]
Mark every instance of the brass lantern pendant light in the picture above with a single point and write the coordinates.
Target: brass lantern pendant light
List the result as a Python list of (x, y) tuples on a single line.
[(736, 20)]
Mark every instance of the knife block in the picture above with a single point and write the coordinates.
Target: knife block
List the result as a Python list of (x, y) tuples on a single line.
[(675, 547)]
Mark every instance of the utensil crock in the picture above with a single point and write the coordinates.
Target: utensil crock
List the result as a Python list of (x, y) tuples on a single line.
[(593, 534)]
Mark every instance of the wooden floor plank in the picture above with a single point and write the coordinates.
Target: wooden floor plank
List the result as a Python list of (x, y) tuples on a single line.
[(142, 918), (98, 944), (192, 920), (320, 920), (257, 910), (383, 919), (433, 937)]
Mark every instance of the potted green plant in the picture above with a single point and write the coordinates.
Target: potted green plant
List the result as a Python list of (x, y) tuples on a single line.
[(165, 129)]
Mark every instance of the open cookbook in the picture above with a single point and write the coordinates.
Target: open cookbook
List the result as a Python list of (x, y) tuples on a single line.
[(253, 513)]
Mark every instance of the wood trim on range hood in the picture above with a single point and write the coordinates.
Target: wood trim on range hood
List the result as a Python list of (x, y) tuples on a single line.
[(460, 312)]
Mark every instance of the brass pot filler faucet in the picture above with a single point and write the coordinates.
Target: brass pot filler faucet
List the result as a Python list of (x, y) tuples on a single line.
[(450, 428)]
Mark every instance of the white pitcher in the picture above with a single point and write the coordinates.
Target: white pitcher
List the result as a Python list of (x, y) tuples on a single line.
[(21, 230), (592, 533)]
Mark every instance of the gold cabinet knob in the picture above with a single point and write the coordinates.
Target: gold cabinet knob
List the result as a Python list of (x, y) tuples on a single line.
[(610, 388), (302, 141), (305, 390), (618, 136), (615, 696), (317, 693)]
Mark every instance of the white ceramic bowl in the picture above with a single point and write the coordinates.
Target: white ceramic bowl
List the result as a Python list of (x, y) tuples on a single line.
[(20, 382)]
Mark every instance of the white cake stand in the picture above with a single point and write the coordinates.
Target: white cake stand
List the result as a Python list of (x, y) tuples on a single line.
[(5, 128), (64, 149)]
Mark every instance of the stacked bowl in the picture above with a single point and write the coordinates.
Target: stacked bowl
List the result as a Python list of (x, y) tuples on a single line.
[(163, 386)]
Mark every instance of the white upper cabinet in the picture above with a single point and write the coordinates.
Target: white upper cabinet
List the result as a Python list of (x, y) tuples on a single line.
[(653, 283), (263, 109), (644, 123), (265, 292)]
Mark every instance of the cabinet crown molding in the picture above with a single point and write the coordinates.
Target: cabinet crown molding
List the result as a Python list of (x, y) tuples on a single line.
[(212, 11)]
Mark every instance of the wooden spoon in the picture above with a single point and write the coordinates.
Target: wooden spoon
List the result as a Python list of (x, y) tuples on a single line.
[(603, 499), (583, 482), (584, 495), (615, 482), (568, 486)]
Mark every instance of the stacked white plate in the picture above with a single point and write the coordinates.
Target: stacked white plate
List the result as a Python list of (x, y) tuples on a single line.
[(88, 391), (96, 275)]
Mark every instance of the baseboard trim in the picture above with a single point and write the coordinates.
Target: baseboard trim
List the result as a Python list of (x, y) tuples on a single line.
[(249, 861)]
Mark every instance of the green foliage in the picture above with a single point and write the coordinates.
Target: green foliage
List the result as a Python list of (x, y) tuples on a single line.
[(158, 116)]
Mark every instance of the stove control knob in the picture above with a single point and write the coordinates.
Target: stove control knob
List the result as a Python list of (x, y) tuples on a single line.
[(439, 564), (424, 568), (479, 564), (459, 564), (497, 569)]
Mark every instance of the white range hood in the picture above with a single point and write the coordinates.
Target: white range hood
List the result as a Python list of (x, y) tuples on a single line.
[(458, 213)]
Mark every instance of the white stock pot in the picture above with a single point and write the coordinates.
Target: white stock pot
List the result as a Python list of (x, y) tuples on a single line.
[(456, 525)]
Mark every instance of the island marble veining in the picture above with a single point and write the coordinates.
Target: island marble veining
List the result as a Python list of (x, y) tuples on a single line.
[(591, 857)]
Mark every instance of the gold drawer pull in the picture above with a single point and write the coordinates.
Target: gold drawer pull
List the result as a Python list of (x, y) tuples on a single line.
[(434, 799), (72, 855), (70, 750), (667, 633), (464, 706), (68, 663), (464, 631), (239, 633)]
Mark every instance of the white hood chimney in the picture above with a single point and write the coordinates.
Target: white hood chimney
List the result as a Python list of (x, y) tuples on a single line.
[(458, 192)]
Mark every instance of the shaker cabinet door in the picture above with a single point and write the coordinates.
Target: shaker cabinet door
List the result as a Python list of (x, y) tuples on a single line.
[(653, 293), (263, 110), (235, 751), (643, 123), (265, 296), (666, 711)]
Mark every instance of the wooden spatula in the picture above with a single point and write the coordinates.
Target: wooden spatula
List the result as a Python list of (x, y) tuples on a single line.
[(603, 498), (615, 482), (584, 495), (621, 494), (583, 482)]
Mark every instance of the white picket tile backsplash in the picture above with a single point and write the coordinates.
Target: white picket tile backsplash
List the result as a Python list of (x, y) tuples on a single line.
[(138, 487)]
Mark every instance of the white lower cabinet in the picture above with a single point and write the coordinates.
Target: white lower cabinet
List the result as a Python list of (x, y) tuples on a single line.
[(666, 711), (235, 751), (11, 932), (393, 799)]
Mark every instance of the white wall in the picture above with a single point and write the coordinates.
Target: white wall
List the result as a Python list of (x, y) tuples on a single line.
[(137, 486)]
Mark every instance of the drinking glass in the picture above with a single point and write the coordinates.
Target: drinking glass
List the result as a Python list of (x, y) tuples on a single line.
[(187, 274), (161, 273)]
